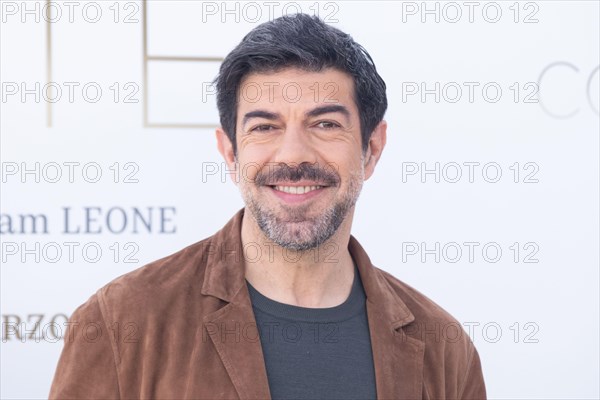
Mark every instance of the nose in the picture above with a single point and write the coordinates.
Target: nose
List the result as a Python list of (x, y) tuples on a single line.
[(295, 146)]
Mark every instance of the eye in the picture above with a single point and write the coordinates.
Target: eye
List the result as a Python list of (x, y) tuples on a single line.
[(327, 125), (262, 128)]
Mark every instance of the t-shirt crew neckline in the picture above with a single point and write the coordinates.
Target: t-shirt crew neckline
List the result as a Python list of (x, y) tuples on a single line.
[(349, 308)]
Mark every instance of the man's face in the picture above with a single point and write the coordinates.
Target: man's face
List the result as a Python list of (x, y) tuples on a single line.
[(301, 166)]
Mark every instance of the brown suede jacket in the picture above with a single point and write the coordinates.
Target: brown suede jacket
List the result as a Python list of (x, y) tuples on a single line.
[(182, 327)]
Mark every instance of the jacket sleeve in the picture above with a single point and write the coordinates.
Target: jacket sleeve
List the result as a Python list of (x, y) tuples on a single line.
[(473, 387), (87, 366)]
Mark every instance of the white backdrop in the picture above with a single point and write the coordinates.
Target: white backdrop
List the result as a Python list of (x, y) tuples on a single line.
[(486, 198)]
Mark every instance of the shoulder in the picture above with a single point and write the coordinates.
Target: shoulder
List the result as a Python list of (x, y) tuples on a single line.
[(443, 335), (450, 355), (181, 269), (422, 307), (164, 286)]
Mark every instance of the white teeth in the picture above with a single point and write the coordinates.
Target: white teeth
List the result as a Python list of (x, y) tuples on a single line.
[(296, 189)]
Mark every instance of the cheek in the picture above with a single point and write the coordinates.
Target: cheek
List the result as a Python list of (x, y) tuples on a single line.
[(250, 158), (255, 150), (348, 165), (354, 173), (248, 171)]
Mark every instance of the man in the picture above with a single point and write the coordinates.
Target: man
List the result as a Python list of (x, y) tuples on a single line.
[(282, 302)]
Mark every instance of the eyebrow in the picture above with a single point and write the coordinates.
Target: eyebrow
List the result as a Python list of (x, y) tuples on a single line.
[(259, 114), (334, 108), (315, 112)]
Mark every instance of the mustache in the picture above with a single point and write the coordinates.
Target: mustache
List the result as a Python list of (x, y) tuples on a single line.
[(274, 173)]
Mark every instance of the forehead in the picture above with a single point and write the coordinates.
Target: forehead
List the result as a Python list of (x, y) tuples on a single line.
[(295, 87)]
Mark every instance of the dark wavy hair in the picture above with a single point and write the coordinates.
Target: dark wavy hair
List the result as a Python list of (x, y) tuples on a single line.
[(305, 42)]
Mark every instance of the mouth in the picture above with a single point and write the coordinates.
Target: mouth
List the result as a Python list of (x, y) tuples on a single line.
[(298, 191)]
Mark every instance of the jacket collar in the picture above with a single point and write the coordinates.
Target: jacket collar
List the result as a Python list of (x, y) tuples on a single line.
[(398, 359), (225, 273)]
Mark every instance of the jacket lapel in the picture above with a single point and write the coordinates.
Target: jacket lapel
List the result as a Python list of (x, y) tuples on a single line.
[(233, 332), (232, 328), (398, 359)]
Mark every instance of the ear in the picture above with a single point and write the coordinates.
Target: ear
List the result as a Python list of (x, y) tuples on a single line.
[(226, 149), (375, 148)]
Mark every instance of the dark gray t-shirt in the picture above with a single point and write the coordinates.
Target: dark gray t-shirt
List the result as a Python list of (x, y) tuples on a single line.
[(316, 353)]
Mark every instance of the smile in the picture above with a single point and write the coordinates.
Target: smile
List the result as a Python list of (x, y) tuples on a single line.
[(296, 189), (298, 192)]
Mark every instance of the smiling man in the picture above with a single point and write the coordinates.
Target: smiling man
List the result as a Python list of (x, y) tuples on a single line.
[(282, 302)]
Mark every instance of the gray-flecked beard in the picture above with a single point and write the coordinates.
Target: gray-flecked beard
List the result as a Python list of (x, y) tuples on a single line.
[(298, 232)]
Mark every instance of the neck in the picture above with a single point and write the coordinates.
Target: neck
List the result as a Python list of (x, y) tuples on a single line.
[(316, 278)]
